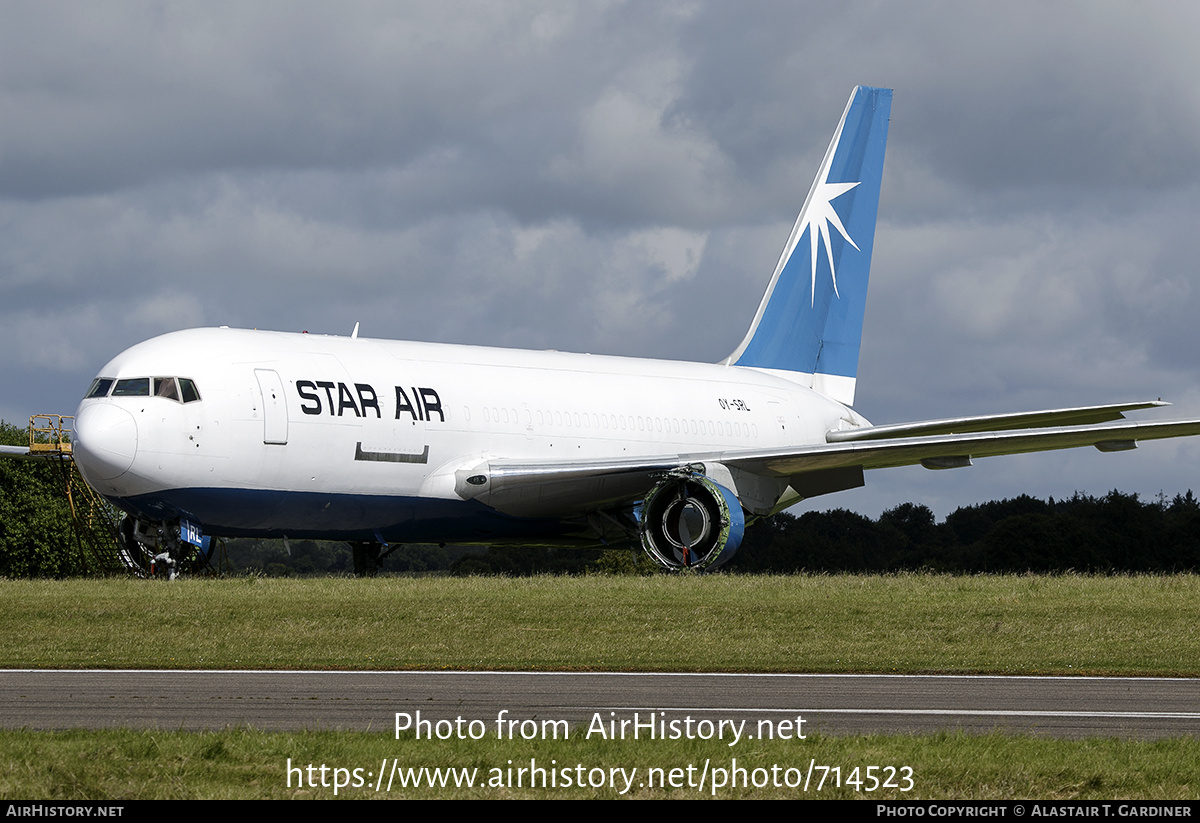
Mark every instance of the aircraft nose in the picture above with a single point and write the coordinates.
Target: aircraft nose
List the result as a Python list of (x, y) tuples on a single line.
[(106, 441)]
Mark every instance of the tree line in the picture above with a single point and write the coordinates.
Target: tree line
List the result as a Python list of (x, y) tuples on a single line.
[(35, 517), (1110, 534), (1115, 533)]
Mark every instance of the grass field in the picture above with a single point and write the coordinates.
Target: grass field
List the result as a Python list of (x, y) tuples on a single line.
[(907, 623), (246, 764)]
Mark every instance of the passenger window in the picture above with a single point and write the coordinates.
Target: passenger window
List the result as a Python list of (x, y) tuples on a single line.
[(132, 387), (100, 387), (190, 394), (165, 387)]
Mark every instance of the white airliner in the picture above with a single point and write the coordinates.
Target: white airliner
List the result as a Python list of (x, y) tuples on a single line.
[(229, 432)]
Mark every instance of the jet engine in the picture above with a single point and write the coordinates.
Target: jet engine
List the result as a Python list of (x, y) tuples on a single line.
[(689, 522)]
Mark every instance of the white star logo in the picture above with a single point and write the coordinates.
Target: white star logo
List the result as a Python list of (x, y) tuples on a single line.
[(817, 219)]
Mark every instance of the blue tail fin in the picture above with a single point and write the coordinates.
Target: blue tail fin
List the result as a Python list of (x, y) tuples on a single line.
[(810, 320)]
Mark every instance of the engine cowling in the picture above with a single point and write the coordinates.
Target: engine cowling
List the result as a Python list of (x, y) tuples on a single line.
[(689, 522)]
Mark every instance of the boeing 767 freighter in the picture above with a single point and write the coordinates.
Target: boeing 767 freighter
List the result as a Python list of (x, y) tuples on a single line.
[(230, 432)]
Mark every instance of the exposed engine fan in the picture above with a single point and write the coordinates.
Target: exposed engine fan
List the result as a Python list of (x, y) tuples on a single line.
[(689, 522)]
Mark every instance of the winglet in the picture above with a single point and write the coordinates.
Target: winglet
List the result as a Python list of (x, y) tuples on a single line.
[(810, 320)]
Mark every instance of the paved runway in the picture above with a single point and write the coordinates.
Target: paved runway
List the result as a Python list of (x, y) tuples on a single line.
[(831, 704)]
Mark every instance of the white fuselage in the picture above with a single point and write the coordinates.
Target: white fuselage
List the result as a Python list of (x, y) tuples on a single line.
[(311, 435)]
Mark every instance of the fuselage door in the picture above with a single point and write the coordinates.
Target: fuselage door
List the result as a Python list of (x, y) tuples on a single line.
[(275, 418)]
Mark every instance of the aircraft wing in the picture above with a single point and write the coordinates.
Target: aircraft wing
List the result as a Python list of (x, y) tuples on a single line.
[(49, 438), (527, 488), (951, 450), (530, 488), (26, 453), (18, 452), (1078, 416)]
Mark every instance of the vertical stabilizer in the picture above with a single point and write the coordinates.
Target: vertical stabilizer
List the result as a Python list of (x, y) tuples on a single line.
[(810, 320)]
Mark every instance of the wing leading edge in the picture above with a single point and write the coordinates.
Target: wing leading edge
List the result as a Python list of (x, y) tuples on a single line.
[(1080, 415), (526, 487), (952, 450)]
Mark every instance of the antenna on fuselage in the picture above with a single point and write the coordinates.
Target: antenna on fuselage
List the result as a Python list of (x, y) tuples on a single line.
[(354, 334)]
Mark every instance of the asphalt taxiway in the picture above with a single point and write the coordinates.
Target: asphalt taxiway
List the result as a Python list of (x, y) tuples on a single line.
[(1068, 707)]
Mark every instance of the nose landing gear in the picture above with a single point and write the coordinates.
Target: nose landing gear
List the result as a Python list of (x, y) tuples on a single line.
[(157, 549)]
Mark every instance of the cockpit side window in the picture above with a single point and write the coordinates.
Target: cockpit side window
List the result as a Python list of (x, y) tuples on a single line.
[(132, 387), (99, 387), (165, 387), (190, 394)]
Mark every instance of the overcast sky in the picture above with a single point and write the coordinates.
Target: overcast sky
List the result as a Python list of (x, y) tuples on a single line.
[(619, 178)]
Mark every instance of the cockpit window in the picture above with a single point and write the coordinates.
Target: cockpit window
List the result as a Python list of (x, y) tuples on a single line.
[(179, 389), (190, 393), (165, 387), (132, 387), (99, 387)]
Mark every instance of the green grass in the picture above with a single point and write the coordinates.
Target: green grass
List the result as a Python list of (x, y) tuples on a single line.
[(906, 623), (243, 764), (1065, 624)]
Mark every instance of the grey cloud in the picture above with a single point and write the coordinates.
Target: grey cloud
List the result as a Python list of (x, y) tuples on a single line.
[(617, 178)]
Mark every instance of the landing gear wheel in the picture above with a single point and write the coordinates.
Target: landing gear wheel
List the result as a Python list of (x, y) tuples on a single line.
[(155, 550), (366, 558)]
